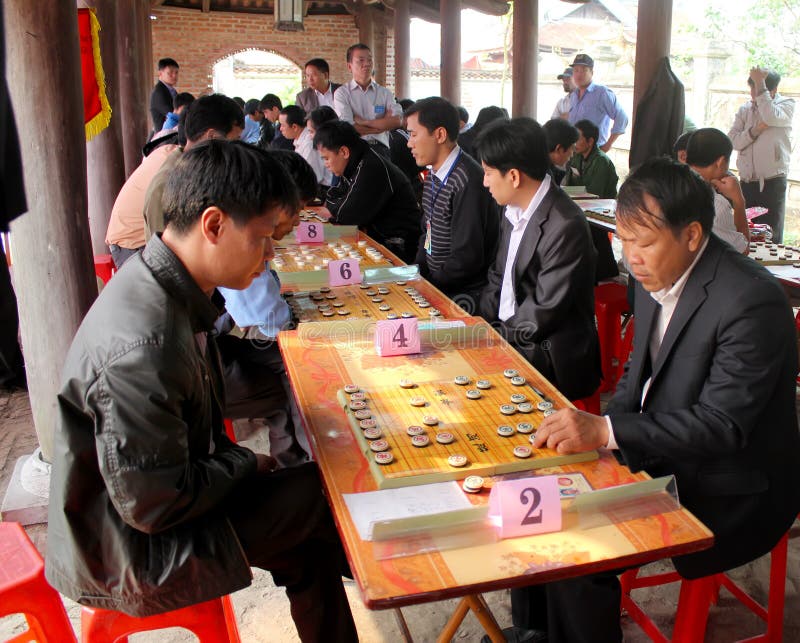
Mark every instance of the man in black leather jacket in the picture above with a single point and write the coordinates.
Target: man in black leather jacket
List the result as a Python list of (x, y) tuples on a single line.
[(152, 507)]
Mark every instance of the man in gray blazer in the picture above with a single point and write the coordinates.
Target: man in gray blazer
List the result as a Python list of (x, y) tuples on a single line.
[(320, 89)]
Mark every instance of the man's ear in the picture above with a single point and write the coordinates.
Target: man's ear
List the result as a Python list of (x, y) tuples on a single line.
[(212, 223), (440, 134), (516, 176), (345, 151)]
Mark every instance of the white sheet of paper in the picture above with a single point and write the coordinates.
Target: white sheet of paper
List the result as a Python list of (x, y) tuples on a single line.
[(390, 504)]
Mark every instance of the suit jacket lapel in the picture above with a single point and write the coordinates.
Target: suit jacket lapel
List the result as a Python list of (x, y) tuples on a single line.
[(532, 235), (646, 308)]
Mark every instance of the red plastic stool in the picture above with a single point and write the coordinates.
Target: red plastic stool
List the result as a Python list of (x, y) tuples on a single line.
[(24, 589), (589, 404), (229, 429), (696, 597), (104, 267), (610, 303), (212, 622)]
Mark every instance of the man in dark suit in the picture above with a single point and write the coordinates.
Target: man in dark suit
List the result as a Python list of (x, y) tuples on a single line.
[(540, 291), (320, 89), (164, 92), (709, 392)]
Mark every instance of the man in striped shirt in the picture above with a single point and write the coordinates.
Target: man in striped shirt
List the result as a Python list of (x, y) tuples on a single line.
[(461, 221)]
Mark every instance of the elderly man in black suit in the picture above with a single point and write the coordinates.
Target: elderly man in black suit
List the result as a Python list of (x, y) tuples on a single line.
[(319, 91), (708, 394), (540, 292)]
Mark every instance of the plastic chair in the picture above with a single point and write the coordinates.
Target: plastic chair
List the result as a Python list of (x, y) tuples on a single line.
[(696, 597), (610, 304), (212, 622), (229, 430), (104, 267), (589, 404), (24, 589)]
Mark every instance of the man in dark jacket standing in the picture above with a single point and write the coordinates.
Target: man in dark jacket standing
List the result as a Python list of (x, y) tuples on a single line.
[(152, 507), (164, 92)]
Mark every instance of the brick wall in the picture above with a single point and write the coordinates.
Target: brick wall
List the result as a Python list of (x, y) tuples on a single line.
[(199, 40)]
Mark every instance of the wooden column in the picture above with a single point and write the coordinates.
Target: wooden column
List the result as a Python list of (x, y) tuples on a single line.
[(53, 268), (653, 31), (402, 49), (134, 101), (105, 161), (450, 20), (525, 58), (147, 66), (366, 27)]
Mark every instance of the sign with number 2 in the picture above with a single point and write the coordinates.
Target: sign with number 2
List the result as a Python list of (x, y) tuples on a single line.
[(397, 337), (344, 272), (526, 506)]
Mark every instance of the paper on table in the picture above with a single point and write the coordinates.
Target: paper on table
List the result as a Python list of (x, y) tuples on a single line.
[(391, 504)]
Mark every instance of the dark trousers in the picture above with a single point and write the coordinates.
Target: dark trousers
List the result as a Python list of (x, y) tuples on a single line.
[(12, 370), (285, 527), (579, 610), (772, 197)]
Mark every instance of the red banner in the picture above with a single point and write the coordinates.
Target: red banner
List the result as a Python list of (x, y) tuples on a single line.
[(96, 110)]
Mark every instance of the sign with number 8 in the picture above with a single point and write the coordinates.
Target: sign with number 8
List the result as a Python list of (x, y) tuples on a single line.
[(310, 233), (344, 272)]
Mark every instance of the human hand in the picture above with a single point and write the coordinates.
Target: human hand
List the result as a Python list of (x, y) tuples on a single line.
[(758, 75), (572, 431), (760, 128), (729, 187), (606, 147), (265, 463)]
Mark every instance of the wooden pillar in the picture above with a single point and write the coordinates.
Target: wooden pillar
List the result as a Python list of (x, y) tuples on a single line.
[(147, 66), (450, 20), (134, 102), (366, 27), (105, 161), (525, 58), (402, 49), (53, 268), (653, 31)]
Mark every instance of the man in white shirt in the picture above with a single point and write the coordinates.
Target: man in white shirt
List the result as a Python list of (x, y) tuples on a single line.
[(562, 106), (292, 121), (707, 396), (371, 108), (320, 89), (709, 153)]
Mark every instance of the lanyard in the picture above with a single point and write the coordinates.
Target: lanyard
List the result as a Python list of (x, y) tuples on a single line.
[(444, 180)]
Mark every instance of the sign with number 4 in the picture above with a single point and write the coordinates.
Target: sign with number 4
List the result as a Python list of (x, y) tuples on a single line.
[(397, 337), (344, 272), (525, 507), (310, 232)]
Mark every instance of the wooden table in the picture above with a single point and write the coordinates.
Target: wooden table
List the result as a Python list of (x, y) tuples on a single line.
[(318, 364)]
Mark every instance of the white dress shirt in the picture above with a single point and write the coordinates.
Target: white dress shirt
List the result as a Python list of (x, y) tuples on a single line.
[(326, 98), (304, 146), (351, 101), (519, 220), (667, 298), (724, 226)]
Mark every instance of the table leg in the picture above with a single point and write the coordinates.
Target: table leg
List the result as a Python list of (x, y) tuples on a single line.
[(401, 623), (478, 605)]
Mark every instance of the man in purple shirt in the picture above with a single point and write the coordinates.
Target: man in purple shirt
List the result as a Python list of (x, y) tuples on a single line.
[(596, 103)]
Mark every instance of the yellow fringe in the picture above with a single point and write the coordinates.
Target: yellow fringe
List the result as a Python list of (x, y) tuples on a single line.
[(101, 121)]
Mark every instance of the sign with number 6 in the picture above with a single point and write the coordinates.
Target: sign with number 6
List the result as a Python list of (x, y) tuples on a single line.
[(310, 232), (397, 337), (525, 507), (344, 272)]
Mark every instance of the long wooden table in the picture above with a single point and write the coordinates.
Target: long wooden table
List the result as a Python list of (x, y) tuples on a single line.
[(320, 362)]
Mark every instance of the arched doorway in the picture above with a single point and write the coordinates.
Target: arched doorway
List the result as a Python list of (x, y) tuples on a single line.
[(251, 73)]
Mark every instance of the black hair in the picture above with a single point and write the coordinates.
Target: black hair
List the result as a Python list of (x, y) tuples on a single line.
[(167, 62), (240, 179), (487, 115), (301, 172), (405, 103), (463, 114), (182, 100), (771, 81), (322, 115), (706, 145), (270, 101), (681, 194), (352, 48), (436, 112), (294, 115), (589, 130), (319, 63), (517, 143), (557, 132), (336, 134), (215, 112), (681, 143), (251, 106)]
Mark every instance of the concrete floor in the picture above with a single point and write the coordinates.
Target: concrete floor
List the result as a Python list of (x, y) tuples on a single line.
[(262, 610)]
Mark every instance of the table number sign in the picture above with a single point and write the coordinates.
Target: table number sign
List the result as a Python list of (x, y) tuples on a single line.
[(310, 232), (526, 506), (344, 272), (397, 337)]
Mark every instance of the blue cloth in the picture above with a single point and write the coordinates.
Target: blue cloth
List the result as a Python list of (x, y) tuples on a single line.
[(251, 131), (260, 305), (599, 105), (171, 120)]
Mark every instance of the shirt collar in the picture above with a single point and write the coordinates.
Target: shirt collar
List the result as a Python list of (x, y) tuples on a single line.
[(674, 292), (353, 85), (319, 93), (518, 216), (448, 164)]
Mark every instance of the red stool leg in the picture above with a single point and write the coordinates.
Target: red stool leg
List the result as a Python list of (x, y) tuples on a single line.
[(693, 606)]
